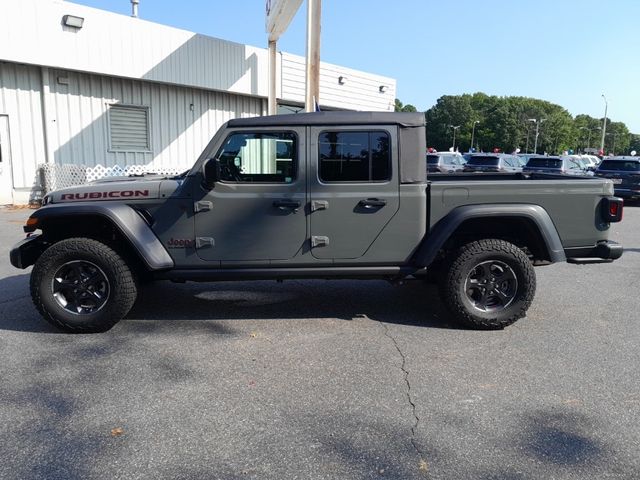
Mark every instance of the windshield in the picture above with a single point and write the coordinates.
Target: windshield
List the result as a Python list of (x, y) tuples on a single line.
[(544, 163), (432, 159), (484, 161), (621, 165)]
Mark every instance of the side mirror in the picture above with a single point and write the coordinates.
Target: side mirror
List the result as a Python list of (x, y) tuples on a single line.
[(210, 173)]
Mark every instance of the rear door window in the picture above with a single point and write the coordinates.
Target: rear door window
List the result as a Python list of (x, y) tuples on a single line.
[(354, 156)]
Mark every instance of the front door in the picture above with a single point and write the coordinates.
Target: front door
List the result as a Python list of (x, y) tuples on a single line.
[(353, 187), (256, 211), (6, 184)]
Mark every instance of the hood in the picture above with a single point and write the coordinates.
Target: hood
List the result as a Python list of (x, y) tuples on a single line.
[(116, 189)]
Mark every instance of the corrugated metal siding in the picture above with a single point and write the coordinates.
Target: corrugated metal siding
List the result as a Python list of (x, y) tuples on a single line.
[(361, 91), (20, 99), (182, 120), (111, 44)]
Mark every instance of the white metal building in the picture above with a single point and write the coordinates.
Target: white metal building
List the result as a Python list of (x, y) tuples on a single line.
[(124, 91)]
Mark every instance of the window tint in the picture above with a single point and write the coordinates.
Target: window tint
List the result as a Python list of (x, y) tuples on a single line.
[(433, 159), (490, 161), (354, 156), (259, 157), (545, 163), (621, 165)]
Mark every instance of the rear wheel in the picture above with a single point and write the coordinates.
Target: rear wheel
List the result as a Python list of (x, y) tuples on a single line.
[(81, 285), (488, 284)]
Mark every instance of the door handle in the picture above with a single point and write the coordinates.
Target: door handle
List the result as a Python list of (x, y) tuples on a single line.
[(372, 203), (286, 205)]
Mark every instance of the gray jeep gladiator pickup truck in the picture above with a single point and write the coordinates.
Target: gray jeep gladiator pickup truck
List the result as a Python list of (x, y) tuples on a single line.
[(318, 195)]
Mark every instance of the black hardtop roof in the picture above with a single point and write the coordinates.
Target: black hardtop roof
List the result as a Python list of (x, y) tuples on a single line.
[(333, 118)]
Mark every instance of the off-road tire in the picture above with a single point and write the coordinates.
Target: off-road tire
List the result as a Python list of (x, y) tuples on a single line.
[(458, 270), (122, 290)]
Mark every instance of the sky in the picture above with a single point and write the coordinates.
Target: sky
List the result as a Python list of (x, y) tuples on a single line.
[(568, 52)]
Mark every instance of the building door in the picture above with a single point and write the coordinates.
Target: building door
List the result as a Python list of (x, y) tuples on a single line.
[(256, 210), (354, 188), (6, 183)]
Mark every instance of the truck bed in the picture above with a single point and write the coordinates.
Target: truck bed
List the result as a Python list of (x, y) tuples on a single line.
[(570, 201)]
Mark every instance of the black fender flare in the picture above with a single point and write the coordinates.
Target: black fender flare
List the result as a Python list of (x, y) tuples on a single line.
[(128, 222), (446, 226)]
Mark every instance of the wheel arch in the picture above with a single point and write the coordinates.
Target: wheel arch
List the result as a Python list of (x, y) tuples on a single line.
[(119, 223), (527, 226)]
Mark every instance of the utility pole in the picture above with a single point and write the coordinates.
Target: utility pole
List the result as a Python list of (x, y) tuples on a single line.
[(604, 123), (312, 97), (454, 136), (473, 130), (537, 122)]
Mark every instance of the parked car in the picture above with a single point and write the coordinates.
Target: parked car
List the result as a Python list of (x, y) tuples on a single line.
[(624, 172), (592, 160), (493, 162), (565, 165), (445, 162)]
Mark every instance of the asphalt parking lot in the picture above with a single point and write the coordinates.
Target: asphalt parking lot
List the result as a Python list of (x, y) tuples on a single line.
[(339, 380)]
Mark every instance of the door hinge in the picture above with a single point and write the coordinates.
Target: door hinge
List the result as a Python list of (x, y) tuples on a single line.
[(319, 241), (202, 206), (202, 242), (319, 205)]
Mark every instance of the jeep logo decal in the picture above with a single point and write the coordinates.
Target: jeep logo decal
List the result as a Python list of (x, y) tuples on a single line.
[(180, 243), (113, 194)]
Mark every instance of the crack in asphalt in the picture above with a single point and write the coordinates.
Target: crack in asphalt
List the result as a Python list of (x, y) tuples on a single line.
[(414, 428)]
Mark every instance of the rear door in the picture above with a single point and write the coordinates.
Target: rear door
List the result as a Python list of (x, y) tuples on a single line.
[(353, 188)]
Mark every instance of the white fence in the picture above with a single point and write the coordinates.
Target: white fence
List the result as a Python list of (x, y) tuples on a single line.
[(55, 177)]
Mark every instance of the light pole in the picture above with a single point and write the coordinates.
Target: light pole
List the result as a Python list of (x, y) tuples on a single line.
[(456, 127), (604, 123), (473, 131), (537, 122)]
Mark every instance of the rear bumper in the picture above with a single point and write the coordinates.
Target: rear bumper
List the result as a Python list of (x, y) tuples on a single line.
[(603, 252), (26, 252)]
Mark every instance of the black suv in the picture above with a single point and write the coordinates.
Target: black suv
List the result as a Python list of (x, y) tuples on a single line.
[(493, 162), (557, 165), (625, 174)]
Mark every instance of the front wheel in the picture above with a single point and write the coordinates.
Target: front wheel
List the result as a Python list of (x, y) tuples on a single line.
[(488, 284), (81, 285)]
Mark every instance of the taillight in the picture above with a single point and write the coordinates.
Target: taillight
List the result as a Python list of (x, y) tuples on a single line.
[(612, 209)]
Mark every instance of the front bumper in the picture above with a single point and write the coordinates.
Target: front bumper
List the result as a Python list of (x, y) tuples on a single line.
[(26, 252), (604, 252)]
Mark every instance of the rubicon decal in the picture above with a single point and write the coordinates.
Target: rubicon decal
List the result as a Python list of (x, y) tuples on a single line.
[(112, 194)]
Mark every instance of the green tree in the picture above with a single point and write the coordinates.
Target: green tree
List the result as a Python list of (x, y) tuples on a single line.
[(399, 107), (617, 139)]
